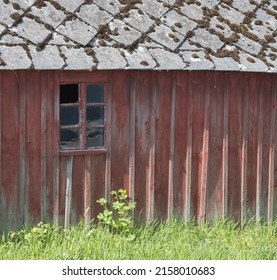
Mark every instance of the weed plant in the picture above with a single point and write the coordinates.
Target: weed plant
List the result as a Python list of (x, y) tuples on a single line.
[(173, 239)]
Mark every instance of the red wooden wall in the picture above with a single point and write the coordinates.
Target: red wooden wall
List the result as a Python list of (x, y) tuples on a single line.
[(188, 144)]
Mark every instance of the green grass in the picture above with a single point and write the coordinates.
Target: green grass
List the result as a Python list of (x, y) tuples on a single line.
[(166, 240)]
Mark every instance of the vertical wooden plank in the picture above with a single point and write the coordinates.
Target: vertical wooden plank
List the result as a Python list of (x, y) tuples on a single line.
[(163, 114), (131, 190), (198, 87), (171, 150), (244, 153), (205, 155), (142, 140), (87, 192), (225, 151), (259, 154), (22, 125), (98, 173), (271, 176), (33, 146), (214, 188), (43, 198), (180, 143), (120, 129), (152, 153), (68, 193), (235, 87), (10, 150), (188, 174), (78, 188), (108, 135), (56, 144)]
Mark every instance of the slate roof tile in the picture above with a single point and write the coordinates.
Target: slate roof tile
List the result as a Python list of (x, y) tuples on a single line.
[(197, 60), (165, 58), (109, 58), (77, 31), (49, 14), (8, 14), (139, 59), (139, 34), (70, 6), (153, 8), (48, 58), (77, 59), (140, 21), (166, 37), (14, 57), (111, 6), (93, 15), (123, 33), (31, 30)]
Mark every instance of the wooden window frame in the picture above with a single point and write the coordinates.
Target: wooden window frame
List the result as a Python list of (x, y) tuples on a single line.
[(82, 105)]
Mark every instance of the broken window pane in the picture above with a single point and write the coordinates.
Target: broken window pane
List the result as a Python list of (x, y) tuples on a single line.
[(95, 93), (69, 115), (69, 137), (95, 115), (69, 93), (95, 137)]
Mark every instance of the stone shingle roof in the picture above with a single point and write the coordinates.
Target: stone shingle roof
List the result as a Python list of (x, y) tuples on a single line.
[(238, 35)]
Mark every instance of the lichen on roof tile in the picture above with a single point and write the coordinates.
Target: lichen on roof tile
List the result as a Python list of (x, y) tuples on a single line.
[(140, 21), (48, 58), (11, 40), (248, 45), (49, 14), (109, 58), (225, 63), (166, 37), (153, 8), (123, 33), (70, 6), (77, 59), (139, 59), (2, 28), (8, 14), (78, 31), (111, 6), (166, 59), (24, 4), (243, 6), (192, 11), (197, 61), (230, 14), (206, 40), (14, 57), (31, 30), (251, 63), (93, 15), (178, 22)]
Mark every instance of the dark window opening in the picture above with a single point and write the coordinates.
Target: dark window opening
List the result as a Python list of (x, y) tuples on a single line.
[(82, 116), (69, 93)]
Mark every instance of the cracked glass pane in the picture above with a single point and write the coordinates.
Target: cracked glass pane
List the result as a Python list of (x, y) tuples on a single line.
[(69, 137), (95, 115), (95, 137)]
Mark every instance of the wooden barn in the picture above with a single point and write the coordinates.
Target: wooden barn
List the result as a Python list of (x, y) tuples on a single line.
[(175, 101)]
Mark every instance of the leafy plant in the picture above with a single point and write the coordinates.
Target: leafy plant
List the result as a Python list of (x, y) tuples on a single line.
[(117, 215)]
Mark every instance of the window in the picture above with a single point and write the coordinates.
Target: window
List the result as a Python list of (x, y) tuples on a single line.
[(82, 116)]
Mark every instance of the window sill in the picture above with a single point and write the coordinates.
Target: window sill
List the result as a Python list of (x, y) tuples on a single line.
[(83, 152)]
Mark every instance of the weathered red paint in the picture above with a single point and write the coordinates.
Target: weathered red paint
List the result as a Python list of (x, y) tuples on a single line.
[(187, 144)]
